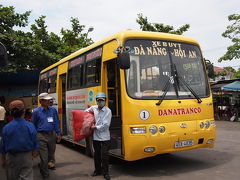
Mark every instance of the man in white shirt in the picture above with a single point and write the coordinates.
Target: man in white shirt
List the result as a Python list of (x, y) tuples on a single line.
[(2, 117), (101, 135)]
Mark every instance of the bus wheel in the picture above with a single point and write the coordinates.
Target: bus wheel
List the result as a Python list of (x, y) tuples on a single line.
[(89, 146)]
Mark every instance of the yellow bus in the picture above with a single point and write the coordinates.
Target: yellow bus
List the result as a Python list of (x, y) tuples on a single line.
[(156, 86)]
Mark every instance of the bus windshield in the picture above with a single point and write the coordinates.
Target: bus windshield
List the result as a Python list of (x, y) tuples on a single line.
[(151, 70)]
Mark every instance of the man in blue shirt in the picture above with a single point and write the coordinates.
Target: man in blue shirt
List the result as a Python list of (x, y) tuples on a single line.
[(17, 145), (101, 135), (51, 153), (47, 124)]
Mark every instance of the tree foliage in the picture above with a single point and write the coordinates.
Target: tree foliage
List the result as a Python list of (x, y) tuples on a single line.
[(230, 69), (220, 74), (237, 74), (156, 27), (37, 48), (233, 33), (74, 38), (16, 41)]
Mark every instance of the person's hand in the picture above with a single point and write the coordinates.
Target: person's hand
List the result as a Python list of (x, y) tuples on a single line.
[(3, 165), (93, 127), (35, 153), (58, 139)]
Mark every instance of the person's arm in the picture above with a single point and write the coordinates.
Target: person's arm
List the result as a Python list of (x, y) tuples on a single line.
[(56, 123), (34, 118), (2, 149), (89, 109), (3, 161), (106, 121), (4, 114), (34, 141), (34, 138)]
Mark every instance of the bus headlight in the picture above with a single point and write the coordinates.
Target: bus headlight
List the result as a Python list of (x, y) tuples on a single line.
[(201, 125), (138, 130), (153, 129), (162, 129), (207, 124), (212, 123)]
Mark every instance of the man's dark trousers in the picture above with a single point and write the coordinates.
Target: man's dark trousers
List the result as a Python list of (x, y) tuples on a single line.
[(19, 166), (47, 143), (101, 156)]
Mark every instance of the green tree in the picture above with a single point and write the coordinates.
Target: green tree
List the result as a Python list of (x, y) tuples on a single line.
[(230, 69), (37, 48), (74, 39), (44, 45), (233, 33), (237, 74), (220, 74), (16, 41), (156, 27)]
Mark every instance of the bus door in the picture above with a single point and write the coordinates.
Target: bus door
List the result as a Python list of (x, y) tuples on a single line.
[(113, 88), (63, 101)]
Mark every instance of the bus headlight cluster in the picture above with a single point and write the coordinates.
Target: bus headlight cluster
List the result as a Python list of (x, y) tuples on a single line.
[(142, 130), (207, 124), (201, 125), (212, 123), (138, 130), (153, 129), (162, 129)]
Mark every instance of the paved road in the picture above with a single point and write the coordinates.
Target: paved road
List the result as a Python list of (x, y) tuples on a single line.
[(220, 163)]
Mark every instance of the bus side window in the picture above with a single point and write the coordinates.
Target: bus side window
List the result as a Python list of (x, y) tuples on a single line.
[(43, 86), (93, 72), (75, 77), (132, 79), (111, 74), (52, 84)]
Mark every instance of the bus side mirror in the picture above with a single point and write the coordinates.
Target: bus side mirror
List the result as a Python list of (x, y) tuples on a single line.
[(124, 60), (3, 55), (210, 70)]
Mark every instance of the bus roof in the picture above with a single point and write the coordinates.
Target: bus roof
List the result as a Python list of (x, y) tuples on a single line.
[(121, 36)]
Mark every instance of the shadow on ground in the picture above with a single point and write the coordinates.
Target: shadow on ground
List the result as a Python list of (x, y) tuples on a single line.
[(170, 164)]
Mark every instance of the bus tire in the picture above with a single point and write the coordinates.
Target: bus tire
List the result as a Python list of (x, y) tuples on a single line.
[(89, 146)]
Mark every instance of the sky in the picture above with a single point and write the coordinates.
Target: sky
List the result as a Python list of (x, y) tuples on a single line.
[(208, 19)]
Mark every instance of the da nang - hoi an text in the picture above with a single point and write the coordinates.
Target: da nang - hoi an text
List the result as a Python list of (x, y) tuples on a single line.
[(159, 48)]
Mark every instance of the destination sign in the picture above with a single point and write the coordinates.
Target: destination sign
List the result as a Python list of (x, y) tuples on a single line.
[(162, 48), (53, 72), (43, 76), (76, 62), (94, 54)]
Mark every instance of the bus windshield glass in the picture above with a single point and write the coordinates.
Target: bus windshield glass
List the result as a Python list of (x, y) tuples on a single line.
[(151, 69)]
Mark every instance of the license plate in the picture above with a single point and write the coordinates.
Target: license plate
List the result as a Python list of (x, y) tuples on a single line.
[(186, 143)]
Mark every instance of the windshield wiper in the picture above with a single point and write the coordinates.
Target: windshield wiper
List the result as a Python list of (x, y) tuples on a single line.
[(177, 78), (165, 90), (191, 90)]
